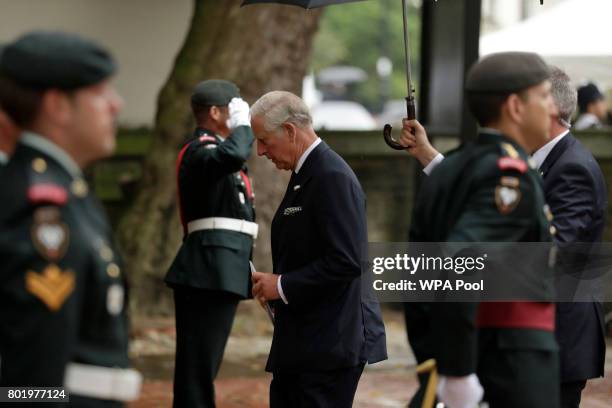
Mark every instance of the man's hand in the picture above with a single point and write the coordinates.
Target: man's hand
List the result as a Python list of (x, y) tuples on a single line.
[(460, 392), (414, 137), (265, 286), (239, 113)]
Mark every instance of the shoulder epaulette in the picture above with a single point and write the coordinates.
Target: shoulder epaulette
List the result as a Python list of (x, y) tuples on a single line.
[(48, 193), (207, 138)]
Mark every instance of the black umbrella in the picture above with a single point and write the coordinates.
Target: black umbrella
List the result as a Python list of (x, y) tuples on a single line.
[(410, 103)]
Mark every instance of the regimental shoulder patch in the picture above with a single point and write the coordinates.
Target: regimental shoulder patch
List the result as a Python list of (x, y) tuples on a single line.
[(509, 181), (52, 286), (507, 198), (50, 235), (48, 194), (508, 163)]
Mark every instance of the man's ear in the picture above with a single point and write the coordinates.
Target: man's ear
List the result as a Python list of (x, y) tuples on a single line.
[(214, 113), (291, 130), (56, 106), (515, 107)]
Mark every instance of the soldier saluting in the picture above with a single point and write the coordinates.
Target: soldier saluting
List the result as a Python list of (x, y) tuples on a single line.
[(210, 272), (62, 290)]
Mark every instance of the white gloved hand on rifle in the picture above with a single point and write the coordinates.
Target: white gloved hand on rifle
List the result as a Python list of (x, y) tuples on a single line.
[(239, 113), (460, 392)]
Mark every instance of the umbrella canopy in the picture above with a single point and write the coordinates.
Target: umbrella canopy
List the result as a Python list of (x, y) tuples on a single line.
[(301, 3)]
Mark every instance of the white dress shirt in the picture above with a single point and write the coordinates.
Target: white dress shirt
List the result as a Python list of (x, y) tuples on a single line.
[(542, 153), (298, 166)]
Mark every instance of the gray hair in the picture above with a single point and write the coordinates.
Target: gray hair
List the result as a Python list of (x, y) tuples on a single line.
[(278, 107), (564, 95)]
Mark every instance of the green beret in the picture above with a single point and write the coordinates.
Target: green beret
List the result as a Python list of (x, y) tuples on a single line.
[(215, 92), (506, 72), (46, 59)]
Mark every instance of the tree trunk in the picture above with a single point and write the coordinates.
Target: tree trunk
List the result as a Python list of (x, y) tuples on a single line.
[(260, 48)]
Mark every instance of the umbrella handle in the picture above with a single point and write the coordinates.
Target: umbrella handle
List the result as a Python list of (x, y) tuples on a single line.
[(411, 111)]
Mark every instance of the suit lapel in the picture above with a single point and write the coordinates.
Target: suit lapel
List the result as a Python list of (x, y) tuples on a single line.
[(556, 152), (297, 184)]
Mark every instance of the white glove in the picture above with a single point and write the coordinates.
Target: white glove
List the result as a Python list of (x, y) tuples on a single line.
[(460, 392), (239, 112)]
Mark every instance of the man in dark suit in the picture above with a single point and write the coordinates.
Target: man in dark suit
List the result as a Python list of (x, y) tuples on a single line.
[(575, 191), (211, 272), (326, 329)]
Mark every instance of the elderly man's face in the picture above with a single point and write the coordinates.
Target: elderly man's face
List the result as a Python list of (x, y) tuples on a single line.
[(277, 147)]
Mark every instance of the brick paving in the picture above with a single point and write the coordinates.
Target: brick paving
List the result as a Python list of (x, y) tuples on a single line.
[(242, 382)]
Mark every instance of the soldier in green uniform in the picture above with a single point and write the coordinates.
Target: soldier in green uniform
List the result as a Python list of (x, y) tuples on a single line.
[(62, 290), (211, 272), (487, 191)]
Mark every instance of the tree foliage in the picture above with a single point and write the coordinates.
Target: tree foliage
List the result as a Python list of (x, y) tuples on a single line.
[(359, 33)]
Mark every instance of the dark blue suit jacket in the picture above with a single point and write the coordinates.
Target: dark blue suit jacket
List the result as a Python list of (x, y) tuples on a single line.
[(576, 193), (319, 245)]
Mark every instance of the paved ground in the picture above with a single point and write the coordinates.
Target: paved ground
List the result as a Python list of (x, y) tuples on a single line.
[(243, 383)]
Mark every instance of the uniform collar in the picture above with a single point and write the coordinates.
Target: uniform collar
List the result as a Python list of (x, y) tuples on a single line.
[(489, 135), (49, 148), (4, 159)]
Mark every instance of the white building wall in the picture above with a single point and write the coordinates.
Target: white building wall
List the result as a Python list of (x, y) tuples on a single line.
[(144, 36)]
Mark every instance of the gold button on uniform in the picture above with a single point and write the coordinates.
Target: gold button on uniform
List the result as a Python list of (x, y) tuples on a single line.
[(39, 165), (79, 188), (553, 230), (113, 270), (106, 254)]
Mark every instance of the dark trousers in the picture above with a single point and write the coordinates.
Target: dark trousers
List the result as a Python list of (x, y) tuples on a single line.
[(516, 374), (203, 322), (571, 392), (330, 389)]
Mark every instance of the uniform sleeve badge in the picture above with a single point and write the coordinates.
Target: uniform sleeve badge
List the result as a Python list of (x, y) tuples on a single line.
[(52, 286), (50, 235), (507, 198)]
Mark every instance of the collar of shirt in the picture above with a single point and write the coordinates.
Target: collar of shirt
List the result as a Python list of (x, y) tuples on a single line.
[(3, 158), (542, 153), (304, 155), (489, 130), (44, 145)]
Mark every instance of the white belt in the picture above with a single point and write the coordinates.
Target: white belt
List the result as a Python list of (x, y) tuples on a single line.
[(232, 224), (117, 384)]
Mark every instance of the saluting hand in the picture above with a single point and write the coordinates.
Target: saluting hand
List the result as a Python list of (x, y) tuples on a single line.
[(265, 286), (414, 137)]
